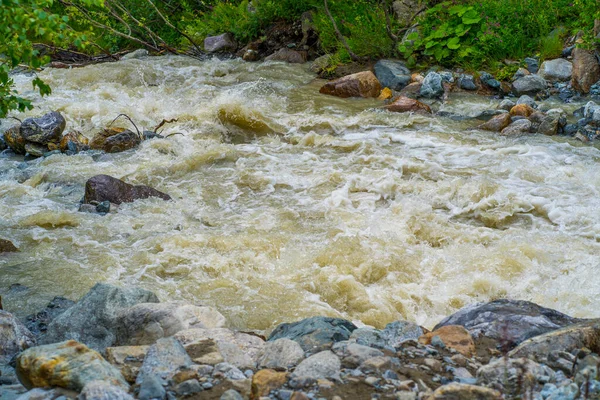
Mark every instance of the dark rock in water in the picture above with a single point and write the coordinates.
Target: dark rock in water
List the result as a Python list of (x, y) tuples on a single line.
[(432, 86), (288, 55), (92, 320), (362, 84), (38, 323), (45, 129), (392, 74), (14, 337), (509, 320), (147, 135), (467, 82), (73, 142), (571, 129), (3, 145), (103, 207), (530, 85), (488, 80), (6, 246), (15, 140), (316, 333), (102, 188), (115, 140), (221, 43), (533, 65)]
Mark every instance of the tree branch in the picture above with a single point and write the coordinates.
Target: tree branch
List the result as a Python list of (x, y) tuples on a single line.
[(169, 24), (339, 35)]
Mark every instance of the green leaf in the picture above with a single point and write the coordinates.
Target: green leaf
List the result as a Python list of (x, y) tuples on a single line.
[(453, 43)]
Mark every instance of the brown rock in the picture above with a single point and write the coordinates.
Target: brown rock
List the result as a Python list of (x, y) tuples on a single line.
[(418, 78), (518, 127), (115, 140), (106, 188), (461, 391), (288, 55), (299, 396), (586, 70), (522, 110), (266, 380), (497, 123), (537, 117), (6, 246), (75, 138), (405, 104), (15, 140), (128, 359), (549, 126), (362, 84), (385, 94), (453, 336)]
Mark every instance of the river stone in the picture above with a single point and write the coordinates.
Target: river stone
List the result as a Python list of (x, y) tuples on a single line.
[(221, 43), (6, 246), (106, 188), (45, 129), (398, 332), (461, 391), (231, 395), (74, 142), (288, 55), (322, 365), (228, 371), (432, 86), (92, 320), (522, 110), (102, 390), (281, 354), (316, 333), (145, 323), (586, 70), (506, 105), (515, 320), (453, 336), (530, 85), (38, 323), (488, 80), (15, 140), (115, 140), (518, 127), (591, 111), (392, 74), (526, 100), (467, 82), (361, 84), (532, 64), (369, 337), (35, 149), (512, 375), (521, 72), (405, 104), (128, 359), (136, 54), (43, 394), (265, 381), (70, 365), (353, 354), (549, 126), (14, 337), (557, 70)]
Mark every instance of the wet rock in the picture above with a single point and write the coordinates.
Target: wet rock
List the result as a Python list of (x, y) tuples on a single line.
[(145, 323), (530, 85), (316, 333), (522, 110), (106, 188), (467, 82), (102, 390), (221, 43), (392, 74), (518, 127), (128, 359), (69, 365), (511, 320), (549, 126), (45, 129), (38, 323), (35, 149), (73, 142), (14, 337), (555, 70), (514, 376), (591, 112), (369, 337), (432, 86), (92, 320), (386, 93), (461, 391), (15, 140), (586, 70), (6, 246), (405, 104), (362, 84), (231, 395), (115, 140), (488, 80), (321, 63), (526, 100), (288, 55), (507, 104), (265, 381), (3, 145), (136, 54), (521, 72), (398, 332), (188, 388), (497, 123), (453, 336), (533, 65), (281, 354), (353, 354), (322, 365)]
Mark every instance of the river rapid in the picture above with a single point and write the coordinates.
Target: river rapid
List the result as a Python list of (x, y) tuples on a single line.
[(289, 204)]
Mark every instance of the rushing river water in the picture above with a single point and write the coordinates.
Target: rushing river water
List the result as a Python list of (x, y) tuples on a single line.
[(289, 204)]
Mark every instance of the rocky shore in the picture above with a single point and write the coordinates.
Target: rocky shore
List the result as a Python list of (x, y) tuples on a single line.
[(122, 343)]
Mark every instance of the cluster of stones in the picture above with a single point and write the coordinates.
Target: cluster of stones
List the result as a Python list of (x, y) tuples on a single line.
[(123, 344)]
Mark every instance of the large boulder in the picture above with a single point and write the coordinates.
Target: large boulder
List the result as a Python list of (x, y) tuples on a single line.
[(557, 70), (392, 74), (93, 319), (361, 84), (513, 320), (69, 365), (288, 55), (586, 70), (45, 129), (432, 86), (221, 43), (102, 188), (405, 104), (530, 85), (14, 337), (115, 140), (316, 333), (145, 323)]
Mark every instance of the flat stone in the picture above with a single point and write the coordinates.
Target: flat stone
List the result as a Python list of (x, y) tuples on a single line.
[(45, 129), (392, 74), (14, 337), (322, 365), (455, 337), (557, 70), (102, 390), (102, 188), (128, 359), (281, 354), (461, 391), (497, 123), (267, 380), (316, 333), (361, 84), (405, 104)]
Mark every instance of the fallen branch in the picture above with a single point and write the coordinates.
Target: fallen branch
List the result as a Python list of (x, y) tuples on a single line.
[(163, 122), (130, 120)]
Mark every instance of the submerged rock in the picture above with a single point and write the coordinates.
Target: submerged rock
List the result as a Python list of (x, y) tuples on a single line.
[(115, 140), (405, 104), (555, 70), (392, 74), (106, 188), (361, 84), (6, 246), (316, 333), (45, 129), (586, 70), (221, 43), (14, 337)]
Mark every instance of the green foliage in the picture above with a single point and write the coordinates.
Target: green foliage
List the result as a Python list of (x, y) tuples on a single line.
[(226, 16)]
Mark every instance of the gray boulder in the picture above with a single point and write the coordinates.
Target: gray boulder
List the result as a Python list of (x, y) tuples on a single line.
[(487, 79), (45, 129), (316, 333), (398, 332), (221, 43), (592, 111), (38, 323), (369, 337), (281, 354), (518, 127), (506, 105), (136, 54), (93, 319), (530, 84), (14, 337), (353, 354), (432, 86), (288, 55), (558, 70), (532, 64), (392, 74), (512, 320), (322, 365), (467, 82)]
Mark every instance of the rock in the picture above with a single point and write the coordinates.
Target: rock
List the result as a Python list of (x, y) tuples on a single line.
[(573, 337), (376, 364), (102, 390), (522, 110), (392, 74), (369, 337), (92, 320), (14, 337), (74, 142), (362, 84), (586, 70), (506, 105), (6, 246), (549, 126), (398, 332), (316, 333), (467, 82), (488, 80), (521, 72), (322, 365), (188, 388), (514, 376), (518, 127), (228, 371), (353, 354), (231, 395), (251, 55), (557, 70), (321, 63), (69, 365), (432, 86), (532, 64), (35, 149), (591, 111), (386, 93), (512, 320), (115, 140), (405, 104), (497, 123), (221, 43), (128, 359), (44, 394), (530, 85), (526, 100), (461, 391), (266, 380), (455, 337), (38, 323), (145, 323), (15, 140), (45, 129), (288, 55), (136, 54), (106, 188), (281, 354)]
